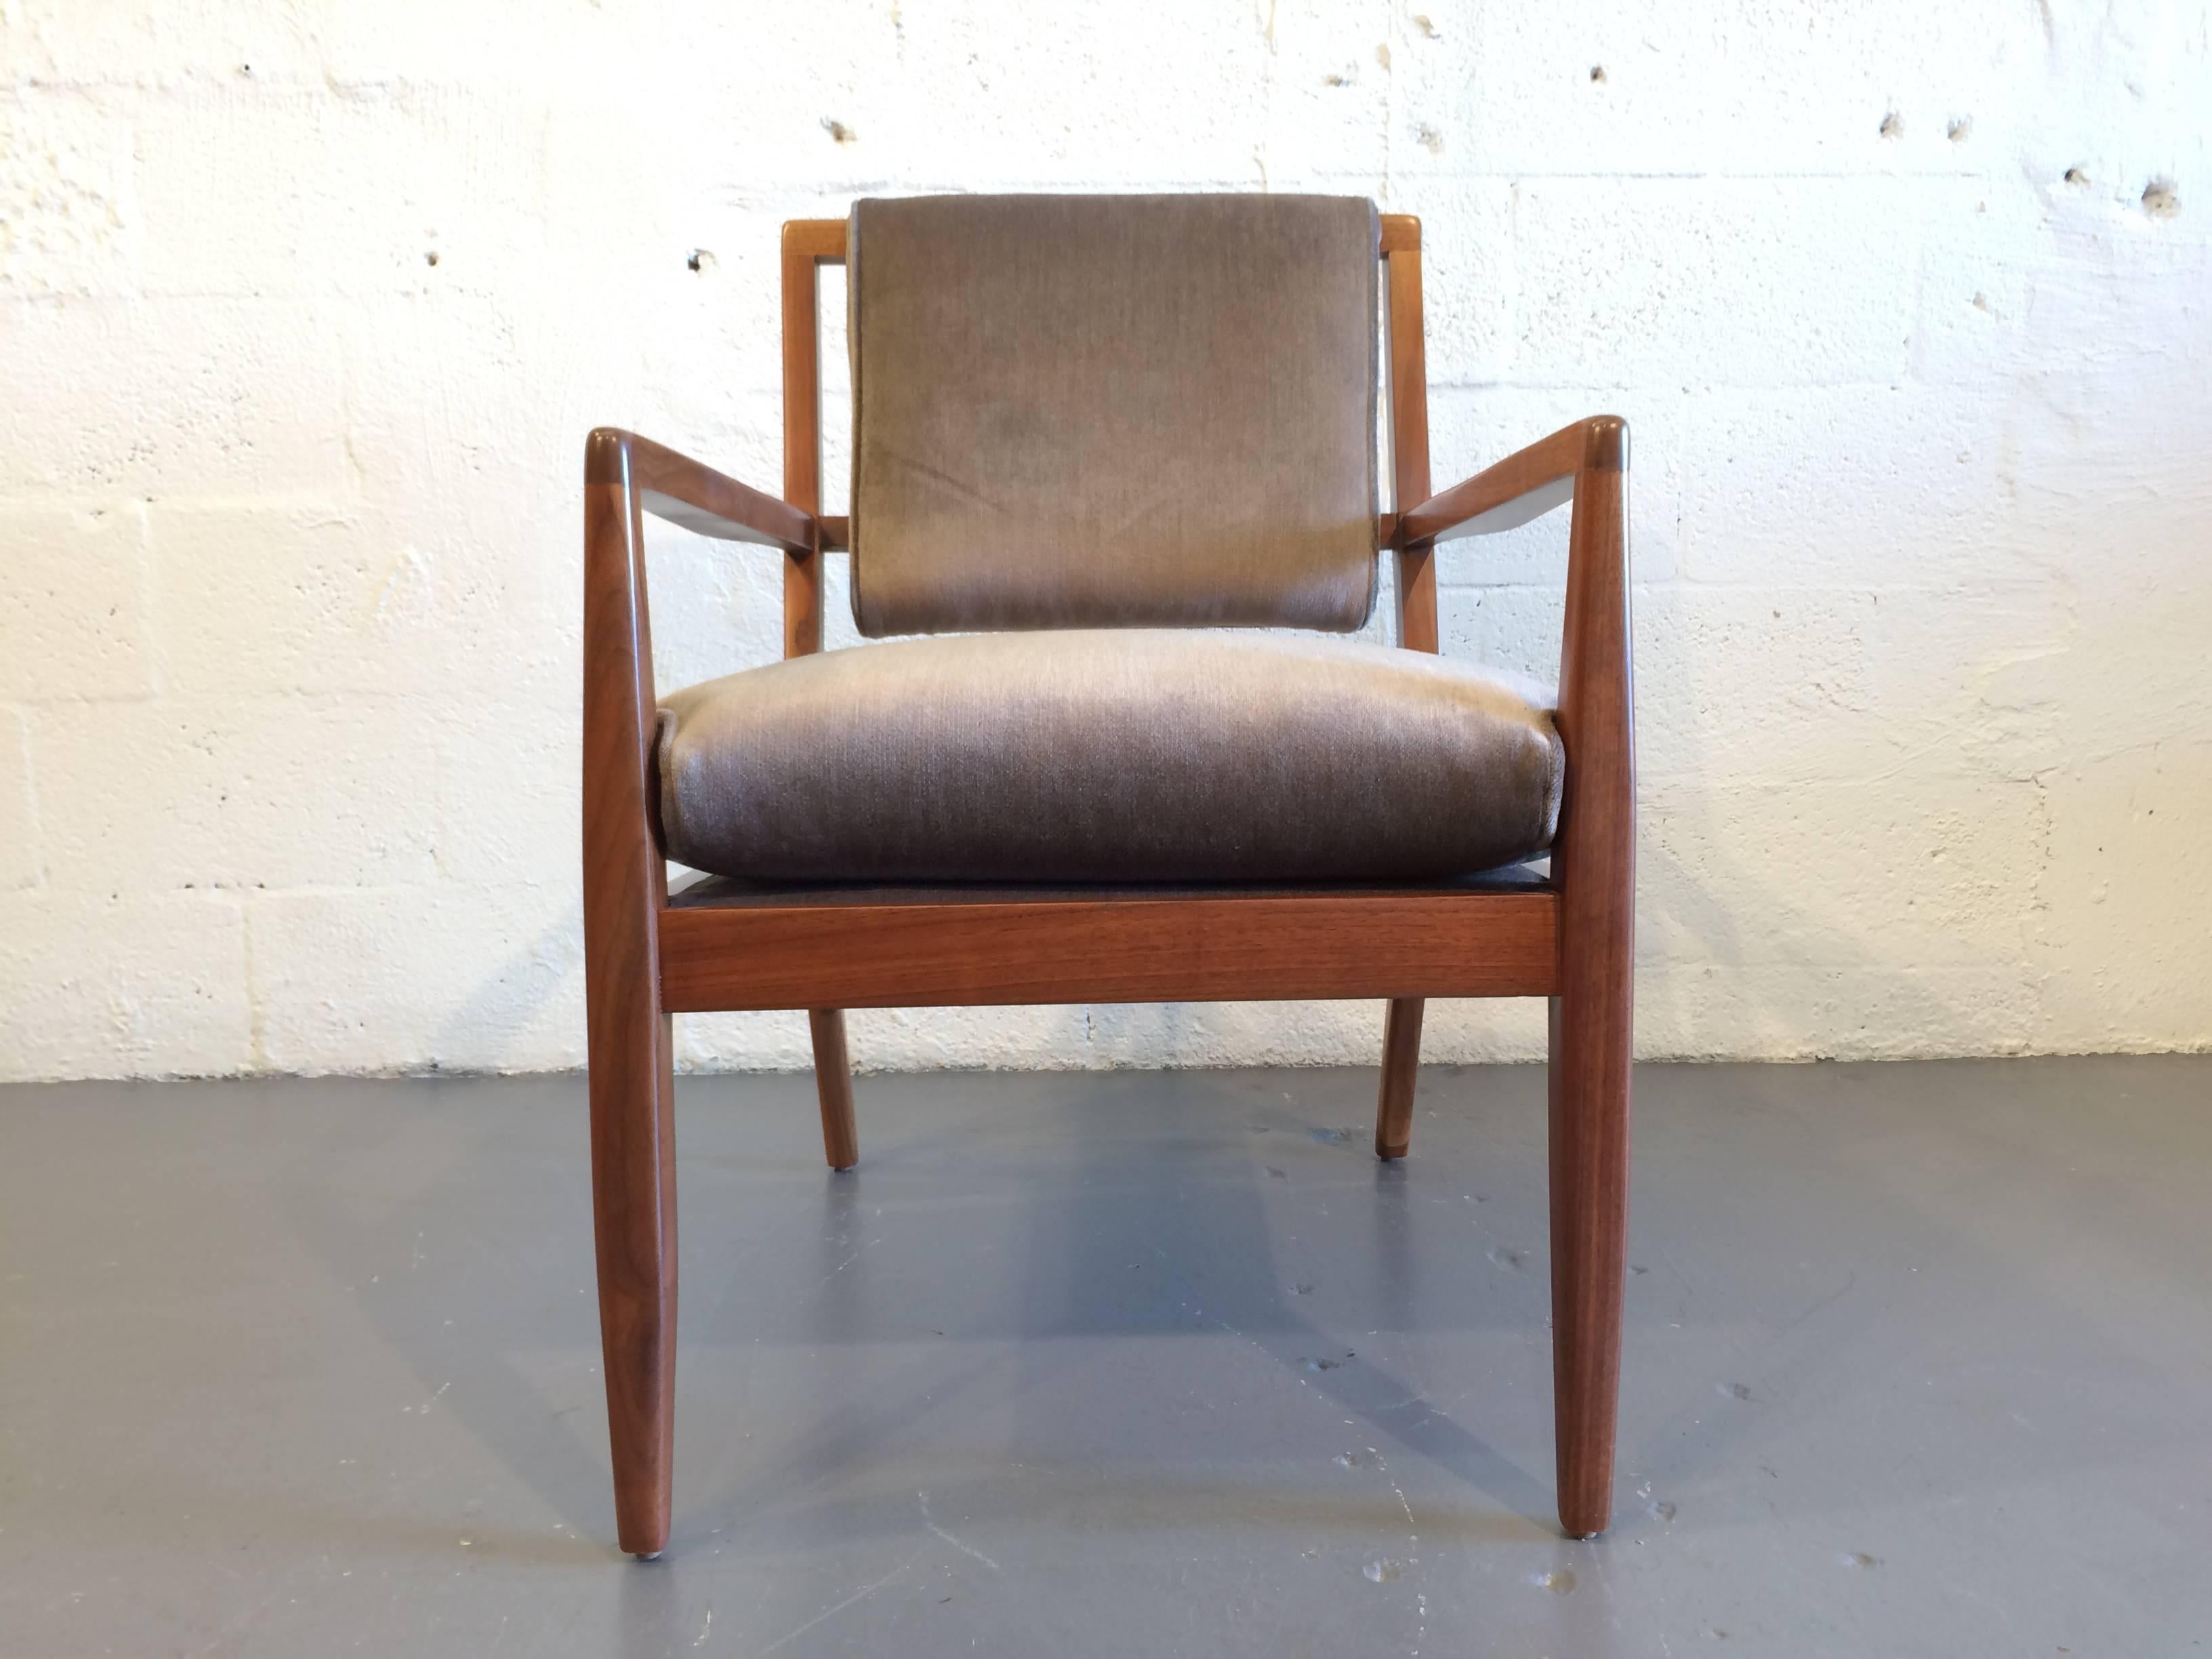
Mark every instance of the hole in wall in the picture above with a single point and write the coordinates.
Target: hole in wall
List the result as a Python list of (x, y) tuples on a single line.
[(699, 258), (838, 130), (1961, 130), (1597, 73), (2160, 200), (1892, 126), (2075, 176), (431, 258)]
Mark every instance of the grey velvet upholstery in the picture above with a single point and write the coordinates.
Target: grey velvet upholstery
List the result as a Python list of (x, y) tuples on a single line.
[(1112, 411), (1109, 755)]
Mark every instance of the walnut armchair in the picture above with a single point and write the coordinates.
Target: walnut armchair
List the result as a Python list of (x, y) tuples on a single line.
[(1128, 419)]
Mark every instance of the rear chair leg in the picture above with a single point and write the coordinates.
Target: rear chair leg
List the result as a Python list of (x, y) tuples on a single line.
[(833, 1080), (1401, 1065)]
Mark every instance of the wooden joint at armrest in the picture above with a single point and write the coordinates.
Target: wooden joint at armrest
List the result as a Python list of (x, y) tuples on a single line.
[(672, 486), (1525, 485)]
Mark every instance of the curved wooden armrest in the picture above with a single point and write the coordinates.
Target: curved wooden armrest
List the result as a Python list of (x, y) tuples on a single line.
[(1523, 486), (674, 487)]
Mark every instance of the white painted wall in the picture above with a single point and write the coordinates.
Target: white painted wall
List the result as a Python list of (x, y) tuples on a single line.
[(1911, 311)]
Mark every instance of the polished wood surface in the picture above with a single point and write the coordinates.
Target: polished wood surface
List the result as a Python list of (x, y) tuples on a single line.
[(1416, 576), (923, 953), (1409, 445), (689, 493), (1525, 485), (802, 429), (1591, 1012), (822, 240), (632, 1084), (833, 1079), (807, 245), (1401, 1067), (1564, 933)]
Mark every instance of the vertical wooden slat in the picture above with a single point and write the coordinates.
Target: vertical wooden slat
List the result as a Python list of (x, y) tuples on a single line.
[(802, 433), (1409, 441), (804, 245), (1416, 616)]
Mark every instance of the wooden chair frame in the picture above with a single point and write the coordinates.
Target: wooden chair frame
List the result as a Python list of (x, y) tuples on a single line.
[(650, 953)]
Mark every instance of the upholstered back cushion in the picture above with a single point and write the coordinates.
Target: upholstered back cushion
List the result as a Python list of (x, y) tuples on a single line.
[(1112, 411)]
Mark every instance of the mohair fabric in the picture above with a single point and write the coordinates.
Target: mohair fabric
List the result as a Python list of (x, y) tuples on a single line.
[(1089, 755), (1112, 411)]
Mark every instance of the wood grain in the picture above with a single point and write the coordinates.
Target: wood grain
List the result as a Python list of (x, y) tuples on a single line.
[(1409, 445), (1567, 934), (807, 244), (833, 1082), (1401, 1067), (1525, 485), (815, 238), (1591, 1013), (631, 1082), (674, 487), (802, 427), (1416, 574), (856, 954)]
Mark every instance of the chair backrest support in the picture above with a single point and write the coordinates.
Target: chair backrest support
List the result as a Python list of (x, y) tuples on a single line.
[(809, 244)]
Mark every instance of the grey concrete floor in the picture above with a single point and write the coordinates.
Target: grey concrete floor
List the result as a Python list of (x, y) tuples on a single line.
[(1919, 1360)]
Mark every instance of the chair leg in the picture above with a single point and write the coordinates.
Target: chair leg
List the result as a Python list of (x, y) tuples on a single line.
[(1589, 1056), (1401, 1065), (1594, 871), (833, 1081), (634, 1212), (628, 1042)]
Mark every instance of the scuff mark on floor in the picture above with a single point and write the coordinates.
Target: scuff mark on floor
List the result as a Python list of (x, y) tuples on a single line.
[(860, 1594), (965, 1548)]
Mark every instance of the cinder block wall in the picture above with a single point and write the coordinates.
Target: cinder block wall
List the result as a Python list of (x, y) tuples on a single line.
[(308, 308)]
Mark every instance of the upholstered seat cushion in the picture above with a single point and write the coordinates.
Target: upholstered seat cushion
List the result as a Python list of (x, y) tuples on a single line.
[(1121, 755)]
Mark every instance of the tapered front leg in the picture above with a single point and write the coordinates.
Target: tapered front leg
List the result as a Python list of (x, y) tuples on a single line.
[(1589, 1229), (634, 1212), (1594, 866), (632, 1079)]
